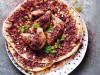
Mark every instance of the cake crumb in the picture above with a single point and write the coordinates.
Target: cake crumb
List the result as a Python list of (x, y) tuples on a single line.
[(78, 9), (75, 2), (68, 0)]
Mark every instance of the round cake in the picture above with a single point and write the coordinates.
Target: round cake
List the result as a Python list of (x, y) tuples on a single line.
[(42, 33)]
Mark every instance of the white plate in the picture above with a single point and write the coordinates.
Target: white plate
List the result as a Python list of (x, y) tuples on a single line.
[(70, 65)]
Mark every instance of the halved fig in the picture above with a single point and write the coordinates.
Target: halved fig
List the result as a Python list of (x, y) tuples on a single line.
[(43, 21), (36, 13), (56, 30), (35, 41)]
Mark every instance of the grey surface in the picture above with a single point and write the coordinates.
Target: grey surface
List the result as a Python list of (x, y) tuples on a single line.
[(90, 13)]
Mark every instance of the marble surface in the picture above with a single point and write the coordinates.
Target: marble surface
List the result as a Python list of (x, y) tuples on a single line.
[(90, 13)]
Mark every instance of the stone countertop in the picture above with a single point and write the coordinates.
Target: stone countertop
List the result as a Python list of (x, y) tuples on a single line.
[(90, 13)]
